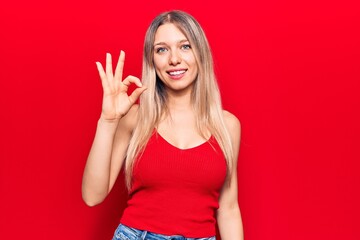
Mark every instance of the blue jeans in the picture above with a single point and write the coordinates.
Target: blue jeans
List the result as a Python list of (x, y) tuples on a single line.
[(127, 233)]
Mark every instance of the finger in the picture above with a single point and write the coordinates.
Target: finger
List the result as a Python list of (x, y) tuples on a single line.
[(101, 70), (131, 79), (136, 94), (102, 75), (120, 66), (109, 71)]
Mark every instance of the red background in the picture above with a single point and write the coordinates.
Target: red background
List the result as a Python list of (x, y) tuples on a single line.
[(289, 71)]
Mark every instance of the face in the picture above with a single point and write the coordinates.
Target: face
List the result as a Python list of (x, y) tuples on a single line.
[(174, 59)]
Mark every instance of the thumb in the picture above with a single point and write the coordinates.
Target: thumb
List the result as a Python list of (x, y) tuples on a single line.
[(136, 94)]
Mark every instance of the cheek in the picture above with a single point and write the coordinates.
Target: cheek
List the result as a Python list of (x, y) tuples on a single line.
[(190, 59), (156, 63), (192, 63), (159, 63), (158, 69)]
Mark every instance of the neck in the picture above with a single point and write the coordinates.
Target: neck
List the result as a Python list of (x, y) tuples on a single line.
[(179, 101)]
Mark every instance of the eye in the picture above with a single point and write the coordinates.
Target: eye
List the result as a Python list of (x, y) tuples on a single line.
[(186, 47), (160, 50)]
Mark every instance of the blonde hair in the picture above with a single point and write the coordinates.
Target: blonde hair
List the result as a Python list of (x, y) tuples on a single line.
[(206, 98)]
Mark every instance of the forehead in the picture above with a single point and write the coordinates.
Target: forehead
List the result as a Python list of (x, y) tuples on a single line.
[(169, 33)]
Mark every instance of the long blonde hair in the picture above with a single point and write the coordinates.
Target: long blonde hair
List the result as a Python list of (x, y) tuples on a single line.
[(206, 98)]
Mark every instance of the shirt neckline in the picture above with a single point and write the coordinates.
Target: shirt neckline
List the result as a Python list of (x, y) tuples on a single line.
[(181, 149)]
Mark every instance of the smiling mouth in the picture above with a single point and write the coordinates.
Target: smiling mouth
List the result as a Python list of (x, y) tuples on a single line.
[(176, 73)]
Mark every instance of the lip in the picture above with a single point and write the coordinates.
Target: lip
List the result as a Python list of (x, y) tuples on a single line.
[(178, 76)]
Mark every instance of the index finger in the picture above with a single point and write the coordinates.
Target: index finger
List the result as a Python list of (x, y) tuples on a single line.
[(120, 66)]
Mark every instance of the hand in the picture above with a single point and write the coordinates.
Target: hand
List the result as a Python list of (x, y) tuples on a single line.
[(116, 101)]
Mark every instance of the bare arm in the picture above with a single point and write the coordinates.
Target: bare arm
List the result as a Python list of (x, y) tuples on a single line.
[(228, 215), (113, 132)]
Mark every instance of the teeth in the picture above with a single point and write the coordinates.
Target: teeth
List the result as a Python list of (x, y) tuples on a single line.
[(176, 72)]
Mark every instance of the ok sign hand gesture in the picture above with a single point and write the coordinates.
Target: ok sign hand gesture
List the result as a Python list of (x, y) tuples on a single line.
[(116, 101)]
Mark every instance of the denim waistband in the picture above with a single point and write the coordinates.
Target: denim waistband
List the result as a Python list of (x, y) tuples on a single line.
[(124, 232)]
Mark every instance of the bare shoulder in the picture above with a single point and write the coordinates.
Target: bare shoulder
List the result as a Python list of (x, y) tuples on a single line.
[(232, 122), (234, 129)]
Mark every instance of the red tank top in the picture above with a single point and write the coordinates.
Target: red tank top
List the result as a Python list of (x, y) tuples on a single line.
[(176, 191)]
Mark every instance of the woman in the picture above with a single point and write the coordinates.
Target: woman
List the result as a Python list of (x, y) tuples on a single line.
[(178, 146)]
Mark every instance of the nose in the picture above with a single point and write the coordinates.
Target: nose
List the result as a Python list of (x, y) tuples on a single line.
[(174, 58)]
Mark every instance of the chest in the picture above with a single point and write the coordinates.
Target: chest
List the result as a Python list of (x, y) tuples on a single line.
[(163, 165)]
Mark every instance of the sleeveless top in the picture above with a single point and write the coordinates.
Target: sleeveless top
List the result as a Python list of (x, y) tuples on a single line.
[(176, 191)]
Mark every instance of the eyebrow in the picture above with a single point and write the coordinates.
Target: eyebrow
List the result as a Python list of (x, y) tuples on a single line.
[(164, 43)]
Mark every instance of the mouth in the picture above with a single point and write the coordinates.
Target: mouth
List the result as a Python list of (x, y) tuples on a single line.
[(178, 73)]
